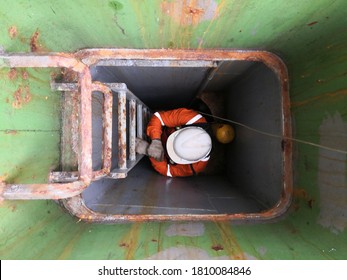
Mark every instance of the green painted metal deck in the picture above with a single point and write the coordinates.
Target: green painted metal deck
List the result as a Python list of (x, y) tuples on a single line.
[(311, 38)]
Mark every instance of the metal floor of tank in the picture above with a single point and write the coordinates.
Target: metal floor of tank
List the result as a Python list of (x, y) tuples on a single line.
[(146, 192)]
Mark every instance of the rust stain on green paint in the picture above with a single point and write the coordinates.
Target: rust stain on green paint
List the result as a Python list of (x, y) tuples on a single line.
[(123, 244), (25, 75), (330, 96), (228, 242), (66, 253), (217, 248), (301, 194), (21, 97), (189, 12), (13, 32), (312, 23), (11, 132), (3, 177), (130, 242), (35, 45), (12, 74), (13, 208)]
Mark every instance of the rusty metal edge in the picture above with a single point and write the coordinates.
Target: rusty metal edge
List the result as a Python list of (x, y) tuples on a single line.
[(132, 129), (107, 128), (122, 133), (76, 205), (56, 191), (65, 176)]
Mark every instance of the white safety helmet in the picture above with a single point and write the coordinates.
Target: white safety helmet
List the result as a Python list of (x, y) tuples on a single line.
[(189, 145)]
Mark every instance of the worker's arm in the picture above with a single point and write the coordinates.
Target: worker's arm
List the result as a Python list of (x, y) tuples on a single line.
[(172, 118)]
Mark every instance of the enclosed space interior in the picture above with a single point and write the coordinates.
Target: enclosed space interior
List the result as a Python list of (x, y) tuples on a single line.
[(244, 176)]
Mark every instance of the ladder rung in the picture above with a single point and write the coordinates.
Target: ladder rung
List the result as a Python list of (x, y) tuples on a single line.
[(122, 133), (119, 173), (139, 121), (132, 129)]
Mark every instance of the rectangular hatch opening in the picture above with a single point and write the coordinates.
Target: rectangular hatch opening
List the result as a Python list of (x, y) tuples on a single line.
[(248, 179)]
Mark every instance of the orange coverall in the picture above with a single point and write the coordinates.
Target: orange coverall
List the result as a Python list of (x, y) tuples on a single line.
[(161, 125)]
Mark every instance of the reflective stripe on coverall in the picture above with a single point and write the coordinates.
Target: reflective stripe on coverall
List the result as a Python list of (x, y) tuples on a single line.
[(172, 119)]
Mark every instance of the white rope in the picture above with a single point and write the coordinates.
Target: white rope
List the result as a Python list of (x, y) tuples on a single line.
[(279, 136)]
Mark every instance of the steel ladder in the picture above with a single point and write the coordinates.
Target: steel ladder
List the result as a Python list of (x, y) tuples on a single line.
[(132, 117)]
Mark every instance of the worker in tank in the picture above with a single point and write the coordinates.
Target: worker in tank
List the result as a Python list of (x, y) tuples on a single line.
[(180, 144)]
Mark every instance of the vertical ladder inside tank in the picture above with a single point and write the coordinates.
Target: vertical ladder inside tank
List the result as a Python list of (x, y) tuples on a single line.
[(132, 116)]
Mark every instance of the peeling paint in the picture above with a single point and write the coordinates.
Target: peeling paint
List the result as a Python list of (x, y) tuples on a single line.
[(261, 250), (11, 131), (21, 96), (217, 248), (249, 257), (186, 229), (255, 29), (185, 253), (25, 75), (332, 174)]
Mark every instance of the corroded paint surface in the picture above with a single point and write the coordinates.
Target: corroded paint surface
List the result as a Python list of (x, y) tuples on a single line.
[(186, 229), (55, 191), (309, 36), (190, 12)]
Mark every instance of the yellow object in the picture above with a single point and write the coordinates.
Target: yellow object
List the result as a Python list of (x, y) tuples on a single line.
[(224, 133)]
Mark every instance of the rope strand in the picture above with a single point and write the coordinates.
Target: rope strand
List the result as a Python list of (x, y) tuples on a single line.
[(278, 136)]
